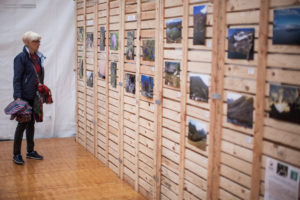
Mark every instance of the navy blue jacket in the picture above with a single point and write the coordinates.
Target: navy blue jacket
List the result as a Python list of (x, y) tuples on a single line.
[(24, 75)]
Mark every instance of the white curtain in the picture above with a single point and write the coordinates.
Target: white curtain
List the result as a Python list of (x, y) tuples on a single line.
[(54, 20)]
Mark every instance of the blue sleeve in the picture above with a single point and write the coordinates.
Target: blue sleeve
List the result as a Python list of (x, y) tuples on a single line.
[(18, 76)]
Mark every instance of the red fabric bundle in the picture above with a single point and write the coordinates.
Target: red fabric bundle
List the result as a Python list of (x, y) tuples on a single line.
[(46, 93)]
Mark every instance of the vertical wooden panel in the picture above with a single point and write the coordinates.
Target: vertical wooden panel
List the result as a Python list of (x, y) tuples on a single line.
[(216, 105), (158, 96), (107, 78), (183, 89)]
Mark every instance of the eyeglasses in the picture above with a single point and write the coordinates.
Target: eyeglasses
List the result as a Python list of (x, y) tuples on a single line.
[(36, 41)]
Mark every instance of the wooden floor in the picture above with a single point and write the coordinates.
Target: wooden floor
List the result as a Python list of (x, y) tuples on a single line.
[(68, 171)]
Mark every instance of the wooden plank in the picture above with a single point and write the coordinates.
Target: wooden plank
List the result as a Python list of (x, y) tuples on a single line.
[(95, 80), (259, 103), (219, 31)]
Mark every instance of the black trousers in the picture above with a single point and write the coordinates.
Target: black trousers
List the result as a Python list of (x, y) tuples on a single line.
[(29, 127)]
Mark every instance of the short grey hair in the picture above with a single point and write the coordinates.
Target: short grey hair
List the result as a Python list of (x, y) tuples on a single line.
[(29, 36)]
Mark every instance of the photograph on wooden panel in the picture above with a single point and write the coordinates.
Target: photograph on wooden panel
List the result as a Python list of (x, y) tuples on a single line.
[(130, 46), (286, 26), (240, 110), (148, 50), (240, 43), (80, 67), (102, 39), (199, 87), (89, 41), (130, 83), (284, 102), (101, 68), (113, 74), (89, 78), (197, 134), (147, 86), (173, 31), (114, 41), (172, 74), (199, 14), (80, 34)]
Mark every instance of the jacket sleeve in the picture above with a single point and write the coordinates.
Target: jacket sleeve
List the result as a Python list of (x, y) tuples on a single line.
[(18, 76)]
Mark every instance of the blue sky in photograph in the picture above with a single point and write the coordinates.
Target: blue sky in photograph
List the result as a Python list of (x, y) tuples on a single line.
[(287, 17), (202, 9)]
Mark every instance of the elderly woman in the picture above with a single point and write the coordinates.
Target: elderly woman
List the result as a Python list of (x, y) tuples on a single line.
[(27, 65)]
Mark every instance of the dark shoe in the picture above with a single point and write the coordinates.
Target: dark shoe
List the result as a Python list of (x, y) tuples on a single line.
[(18, 159), (34, 155)]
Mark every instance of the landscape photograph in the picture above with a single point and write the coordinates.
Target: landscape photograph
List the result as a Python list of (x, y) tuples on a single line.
[(199, 14), (148, 50), (89, 78), (284, 103), (89, 41), (113, 74), (286, 26), (102, 68), (147, 86), (172, 74), (240, 43), (173, 30), (130, 46), (130, 83), (80, 34), (197, 134), (102, 39), (114, 41), (240, 110), (199, 87), (80, 68)]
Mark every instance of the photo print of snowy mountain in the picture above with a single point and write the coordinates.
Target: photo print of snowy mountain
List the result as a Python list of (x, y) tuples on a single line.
[(130, 46), (199, 87), (89, 41), (240, 109), (284, 102), (113, 74), (130, 83), (197, 134), (89, 79), (172, 74), (80, 34), (102, 39), (199, 13), (240, 43), (286, 26), (173, 30), (80, 67), (147, 86)]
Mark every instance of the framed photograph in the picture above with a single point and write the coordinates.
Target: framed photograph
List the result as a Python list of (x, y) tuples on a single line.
[(284, 102), (286, 26), (240, 110), (172, 74), (199, 87), (147, 86), (102, 39), (101, 68), (240, 43), (130, 83), (148, 50), (173, 30), (89, 78), (113, 74), (197, 134), (199, 13), (130, 46), (80, 67), (89, 41), (80, 34), (114, 41)]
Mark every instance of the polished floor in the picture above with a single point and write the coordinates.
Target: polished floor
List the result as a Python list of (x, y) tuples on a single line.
[(68, 171)]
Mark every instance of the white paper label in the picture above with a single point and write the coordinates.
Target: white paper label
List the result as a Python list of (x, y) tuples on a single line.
[(152, 107), (131, 17), (207, 114), (178, 94), (152, 69), (251, 71), (249, 139), (90, 22), (208, 44)]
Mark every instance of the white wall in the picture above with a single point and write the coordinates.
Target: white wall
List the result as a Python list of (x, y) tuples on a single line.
[(55, 21)]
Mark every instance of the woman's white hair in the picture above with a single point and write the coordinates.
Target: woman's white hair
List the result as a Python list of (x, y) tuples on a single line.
[(29, 36)]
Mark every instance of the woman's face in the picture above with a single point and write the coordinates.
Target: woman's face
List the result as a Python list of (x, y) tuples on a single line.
[(33, 45)]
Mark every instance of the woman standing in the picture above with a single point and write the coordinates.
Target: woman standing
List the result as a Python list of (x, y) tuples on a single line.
[(27, 65)]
